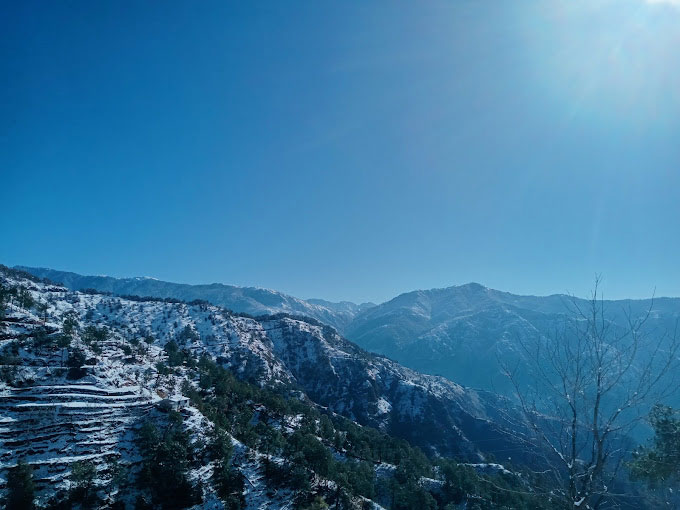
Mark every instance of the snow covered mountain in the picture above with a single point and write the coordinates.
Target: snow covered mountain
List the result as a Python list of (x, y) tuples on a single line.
[(250, 300), (51, 420), (460, 332)]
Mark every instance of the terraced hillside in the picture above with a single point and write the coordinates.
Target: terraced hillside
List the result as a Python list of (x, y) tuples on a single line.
[(53, 421), (56, 425)]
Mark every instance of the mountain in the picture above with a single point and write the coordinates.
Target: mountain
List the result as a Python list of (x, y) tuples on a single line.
[(460, 332), (457, 332), (250, 300), (137, 355)]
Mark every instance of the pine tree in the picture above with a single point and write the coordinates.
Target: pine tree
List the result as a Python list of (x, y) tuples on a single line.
[(70, 323), (25, 298), (75, 362), (6, 294), (317, 504), (82, 478), (659, 464), (20, 487), (118, 476), (42, 308), (63, 342), (230, 486), (165, 463)]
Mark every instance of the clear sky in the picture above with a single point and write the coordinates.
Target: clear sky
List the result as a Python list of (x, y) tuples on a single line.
[(345, 150)]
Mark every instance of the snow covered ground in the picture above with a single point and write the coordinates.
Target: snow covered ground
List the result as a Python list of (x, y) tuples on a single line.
[(52, 421)]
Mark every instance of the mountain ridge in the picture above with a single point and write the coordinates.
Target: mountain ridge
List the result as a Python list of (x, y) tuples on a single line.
[(251, 300), (457, 331), (461, 332)]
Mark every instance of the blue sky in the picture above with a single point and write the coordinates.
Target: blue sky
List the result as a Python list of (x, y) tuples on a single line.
[(345, 150)]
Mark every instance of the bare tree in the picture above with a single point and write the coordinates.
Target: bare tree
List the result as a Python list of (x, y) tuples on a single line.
[(585, 390)]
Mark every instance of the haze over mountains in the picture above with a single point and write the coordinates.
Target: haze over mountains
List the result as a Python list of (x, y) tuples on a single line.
[(459, 332), (462, 332)]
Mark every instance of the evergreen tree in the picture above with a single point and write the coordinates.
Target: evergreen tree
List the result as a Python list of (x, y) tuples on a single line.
[(42, 308), (318, 504), (82, 478), (70, 324), (659, 464), (161, 370), (220, 446), (6, 294), (165, 463), (63, 343), (25, 298), (20, 487), (230, 485), (75, 362), (118, 474), (94, 336), (308, 451), (40, 339), (326, 430), (176, 356)]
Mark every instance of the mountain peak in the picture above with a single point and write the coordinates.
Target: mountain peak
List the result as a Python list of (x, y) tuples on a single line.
[(474, 286)]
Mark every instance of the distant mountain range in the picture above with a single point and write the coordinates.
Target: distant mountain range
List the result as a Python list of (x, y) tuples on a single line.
[(251, 300), (457, 332), (461, 332)]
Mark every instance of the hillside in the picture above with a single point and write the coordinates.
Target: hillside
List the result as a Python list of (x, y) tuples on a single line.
[(57, 410)]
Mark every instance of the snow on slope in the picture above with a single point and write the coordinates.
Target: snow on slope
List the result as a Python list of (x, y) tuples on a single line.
[(250, 300), (52, 421)]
